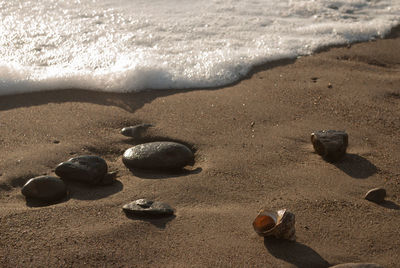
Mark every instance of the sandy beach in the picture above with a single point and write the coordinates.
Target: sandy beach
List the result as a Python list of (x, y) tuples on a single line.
[(252, 150)]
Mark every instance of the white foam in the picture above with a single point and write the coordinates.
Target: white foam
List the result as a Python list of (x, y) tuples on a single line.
[(131, 45)]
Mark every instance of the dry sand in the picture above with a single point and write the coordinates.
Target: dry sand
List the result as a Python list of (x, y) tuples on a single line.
[(252, 144)]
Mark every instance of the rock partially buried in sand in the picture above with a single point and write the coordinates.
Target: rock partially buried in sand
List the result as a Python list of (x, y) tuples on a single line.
[(87, 168), (357, 265), (330, 144), (280, 224), (135, 131), (45, 188), (376, 195), (144, 207), (158, 155)]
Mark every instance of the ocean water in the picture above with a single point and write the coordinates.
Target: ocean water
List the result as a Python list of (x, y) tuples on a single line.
[(133, 45)]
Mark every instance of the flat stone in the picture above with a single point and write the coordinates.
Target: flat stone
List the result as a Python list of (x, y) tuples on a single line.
[(87, 168), (330, 144), (135, 131), (376, 195), (357, 265), (158, 155), (45, 188), (144, 207)]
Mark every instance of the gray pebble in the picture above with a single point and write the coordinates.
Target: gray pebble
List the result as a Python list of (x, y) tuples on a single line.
[(376, 195), (330, 144), (144, 207), (87, 168), (158, 155), (45, 188), (135, 131)]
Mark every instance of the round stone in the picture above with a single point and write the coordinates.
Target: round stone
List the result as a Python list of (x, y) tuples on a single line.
[(144, 207), (376, 195), (45, 188), (87, 168), (158, 155)]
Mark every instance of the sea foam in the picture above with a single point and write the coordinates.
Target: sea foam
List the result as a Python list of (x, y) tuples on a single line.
[(132, 45)]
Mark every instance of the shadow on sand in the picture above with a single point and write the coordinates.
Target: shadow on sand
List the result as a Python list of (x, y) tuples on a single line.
[(389, 204), (356, 166), (295, 253), (163, 174), (158, 221)]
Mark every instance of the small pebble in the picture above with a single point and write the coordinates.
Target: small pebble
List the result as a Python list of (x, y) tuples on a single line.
[(87, 168), (144, 207), (330, 144), (45, 188), (135, 131), (376, 195)]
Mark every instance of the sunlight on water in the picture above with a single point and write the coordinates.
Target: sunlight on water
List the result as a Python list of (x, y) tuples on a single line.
[(139, 44)]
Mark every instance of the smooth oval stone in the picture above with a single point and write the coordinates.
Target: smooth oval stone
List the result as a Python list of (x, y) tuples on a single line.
[(144, 207), (45, 188), (376, 195), (158, 155), (330, 144), (357, 265), (87, 168), (135, 131)]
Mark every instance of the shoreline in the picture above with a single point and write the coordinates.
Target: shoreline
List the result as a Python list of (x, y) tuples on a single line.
[(252, 149), (392, 34)]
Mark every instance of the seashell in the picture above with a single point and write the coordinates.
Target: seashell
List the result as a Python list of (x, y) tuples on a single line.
[(280, 224)]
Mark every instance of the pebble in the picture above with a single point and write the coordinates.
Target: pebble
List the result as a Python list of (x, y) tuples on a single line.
[(357, 265), (330, 144), (144, 207), (158, 155), (135, 131), (376, 195), (87, 168), (45, 188)]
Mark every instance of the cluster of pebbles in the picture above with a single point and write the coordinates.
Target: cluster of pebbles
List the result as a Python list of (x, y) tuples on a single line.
[(331, 145), (93, 170)]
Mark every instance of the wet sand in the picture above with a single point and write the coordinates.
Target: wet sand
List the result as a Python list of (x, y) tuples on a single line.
[(252, 151)]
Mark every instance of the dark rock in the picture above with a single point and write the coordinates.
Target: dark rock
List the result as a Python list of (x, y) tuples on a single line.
[(357, 265), (330, 144), (87, 168), (376, 195), (45, 188), (109, 178), (135, 131), (144, 207), (158, 155)]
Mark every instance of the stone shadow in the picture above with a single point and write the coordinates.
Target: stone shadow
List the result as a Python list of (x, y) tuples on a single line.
[(356, 166), (298, 254), (158, 221), (31, 202), (163, 174), (389, 204), (82, 191)]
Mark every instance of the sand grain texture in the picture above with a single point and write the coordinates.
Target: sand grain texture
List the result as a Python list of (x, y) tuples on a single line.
[(253, 150)]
